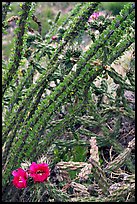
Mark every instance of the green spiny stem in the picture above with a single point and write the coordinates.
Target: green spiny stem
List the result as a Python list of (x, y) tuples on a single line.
[(43, 81), (14, 100), (19, 46), (121, 50), (6, 146), (39, 94), (118, 79), (25, 149), (125, 24), (40, 91), (47, 136), (116, 110), (89, 123), (56, 194), (44, 105)]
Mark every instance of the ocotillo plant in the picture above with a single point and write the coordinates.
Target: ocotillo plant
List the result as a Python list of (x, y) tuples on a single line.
[(49, 89)]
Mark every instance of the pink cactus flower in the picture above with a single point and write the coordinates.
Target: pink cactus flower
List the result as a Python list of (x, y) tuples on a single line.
[(94, 16), (39, 172), (20, 178)]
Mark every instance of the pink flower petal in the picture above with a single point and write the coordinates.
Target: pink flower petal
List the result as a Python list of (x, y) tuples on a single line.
[(20, 178), (39, 172)]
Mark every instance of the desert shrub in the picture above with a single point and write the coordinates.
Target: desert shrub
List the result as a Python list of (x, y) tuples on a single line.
[(58, 106)]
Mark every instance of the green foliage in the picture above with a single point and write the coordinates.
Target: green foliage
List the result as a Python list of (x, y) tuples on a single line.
[(51, 103), (114, 7)]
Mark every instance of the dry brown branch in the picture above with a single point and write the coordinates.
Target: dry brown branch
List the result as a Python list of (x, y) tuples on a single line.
[(71, 165), (79, 189), (120, 159), (100, 177), (117, 195)]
